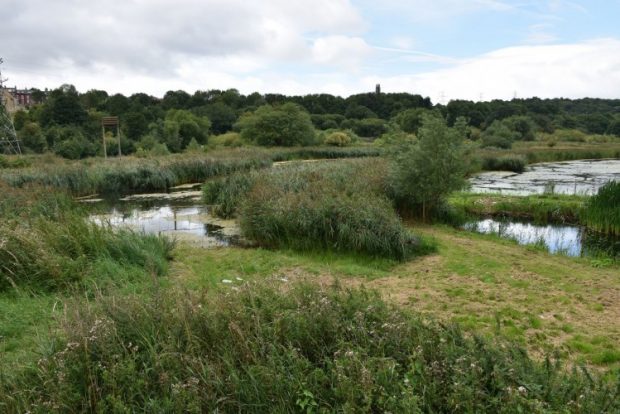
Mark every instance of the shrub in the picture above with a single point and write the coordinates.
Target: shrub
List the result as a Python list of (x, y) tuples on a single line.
[(229, 140), (292, 347), (337, 139), (286, 125), (424, 172)]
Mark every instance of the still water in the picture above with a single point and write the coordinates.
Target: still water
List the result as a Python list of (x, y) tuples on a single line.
[(583, 177)]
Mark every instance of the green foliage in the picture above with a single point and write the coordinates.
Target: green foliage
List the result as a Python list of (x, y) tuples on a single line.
[(410, 120), (514, 163), (70, 142), (424, 172), (326, 207), (226, 194), (286, 125), (337, 139), (181, 126), (229, 140), (292, 347), (133, 175), (602, 212), (47, 243), (368, 128), (523, 126), (498, 135), (32, 137)]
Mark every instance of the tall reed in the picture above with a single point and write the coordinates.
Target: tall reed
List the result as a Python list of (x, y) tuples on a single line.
[(602, 212)]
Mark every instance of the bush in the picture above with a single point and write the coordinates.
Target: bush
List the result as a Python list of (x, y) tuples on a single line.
[(426, 171), (292, 347), (515, 163), (286, 125), (337, 139), (229, 140)]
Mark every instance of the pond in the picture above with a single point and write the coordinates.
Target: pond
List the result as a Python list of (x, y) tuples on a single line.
[(556, 239), (582, 177), (179, 213)]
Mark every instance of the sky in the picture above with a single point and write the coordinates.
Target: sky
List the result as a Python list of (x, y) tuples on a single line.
[(444, 49)]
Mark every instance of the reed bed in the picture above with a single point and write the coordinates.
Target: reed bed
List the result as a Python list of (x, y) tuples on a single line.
[(514, 163), (340, 207), (47, 243), (602, 211), (286, 347)]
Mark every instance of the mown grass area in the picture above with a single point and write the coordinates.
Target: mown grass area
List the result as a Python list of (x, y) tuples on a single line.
[(541, 208)]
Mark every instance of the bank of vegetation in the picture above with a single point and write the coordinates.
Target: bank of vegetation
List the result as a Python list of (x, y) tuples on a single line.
[(48, 244), (293, 348)]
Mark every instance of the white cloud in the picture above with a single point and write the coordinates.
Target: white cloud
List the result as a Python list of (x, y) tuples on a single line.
[(584, 69), (341, 51)]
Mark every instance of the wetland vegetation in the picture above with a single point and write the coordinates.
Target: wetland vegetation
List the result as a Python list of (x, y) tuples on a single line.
[(352, 293)]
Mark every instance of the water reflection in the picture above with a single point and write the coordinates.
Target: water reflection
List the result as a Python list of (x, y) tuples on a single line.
[(557, 239), (182, 218)]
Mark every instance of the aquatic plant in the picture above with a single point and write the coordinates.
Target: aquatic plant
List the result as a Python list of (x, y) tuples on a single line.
[(514, 163), (286, 347), (48, 243), (602, 211)]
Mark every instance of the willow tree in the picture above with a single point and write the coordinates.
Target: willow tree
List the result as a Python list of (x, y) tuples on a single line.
[(425, 171)]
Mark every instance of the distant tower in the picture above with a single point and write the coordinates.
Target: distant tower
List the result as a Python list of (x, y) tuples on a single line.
[(378, 89)]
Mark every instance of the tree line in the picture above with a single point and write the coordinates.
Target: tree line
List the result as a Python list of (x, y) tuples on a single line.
[(68, 122)]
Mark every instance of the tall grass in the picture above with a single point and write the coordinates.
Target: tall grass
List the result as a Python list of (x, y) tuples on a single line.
[(134, 175), (514, 163), (541, 208), (602, 212), (225, 194), (297, 348), (47, 243), (337, 207)]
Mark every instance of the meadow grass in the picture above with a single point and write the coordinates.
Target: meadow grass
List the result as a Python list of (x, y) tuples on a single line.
[(602, 211), (286, 347), (538, 151)]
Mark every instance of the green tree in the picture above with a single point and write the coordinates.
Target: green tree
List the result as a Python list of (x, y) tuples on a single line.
[(523, 126), (410, 120), (427, 170), (32, 137), (286, 125), (181, 126), (222, 117), (498, 135)]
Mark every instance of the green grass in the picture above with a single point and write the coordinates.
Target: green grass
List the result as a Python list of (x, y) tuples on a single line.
[(541, 208), (515, 163), (602, 212), (285, 347)]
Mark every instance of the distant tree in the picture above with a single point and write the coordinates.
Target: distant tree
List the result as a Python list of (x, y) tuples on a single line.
[(117, 105), (523, 126), (284, 125), (175, 100), (181, 126), (222, 117), (355, 111), (614, 127), (425, 171), (498, 135), (31, 136), (368, 128), (94, 99), (410, 120), (63, 108)]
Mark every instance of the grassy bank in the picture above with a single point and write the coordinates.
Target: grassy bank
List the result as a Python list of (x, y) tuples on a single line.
[(284, 348), (47, 243), (540, 151), (541, 208)]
